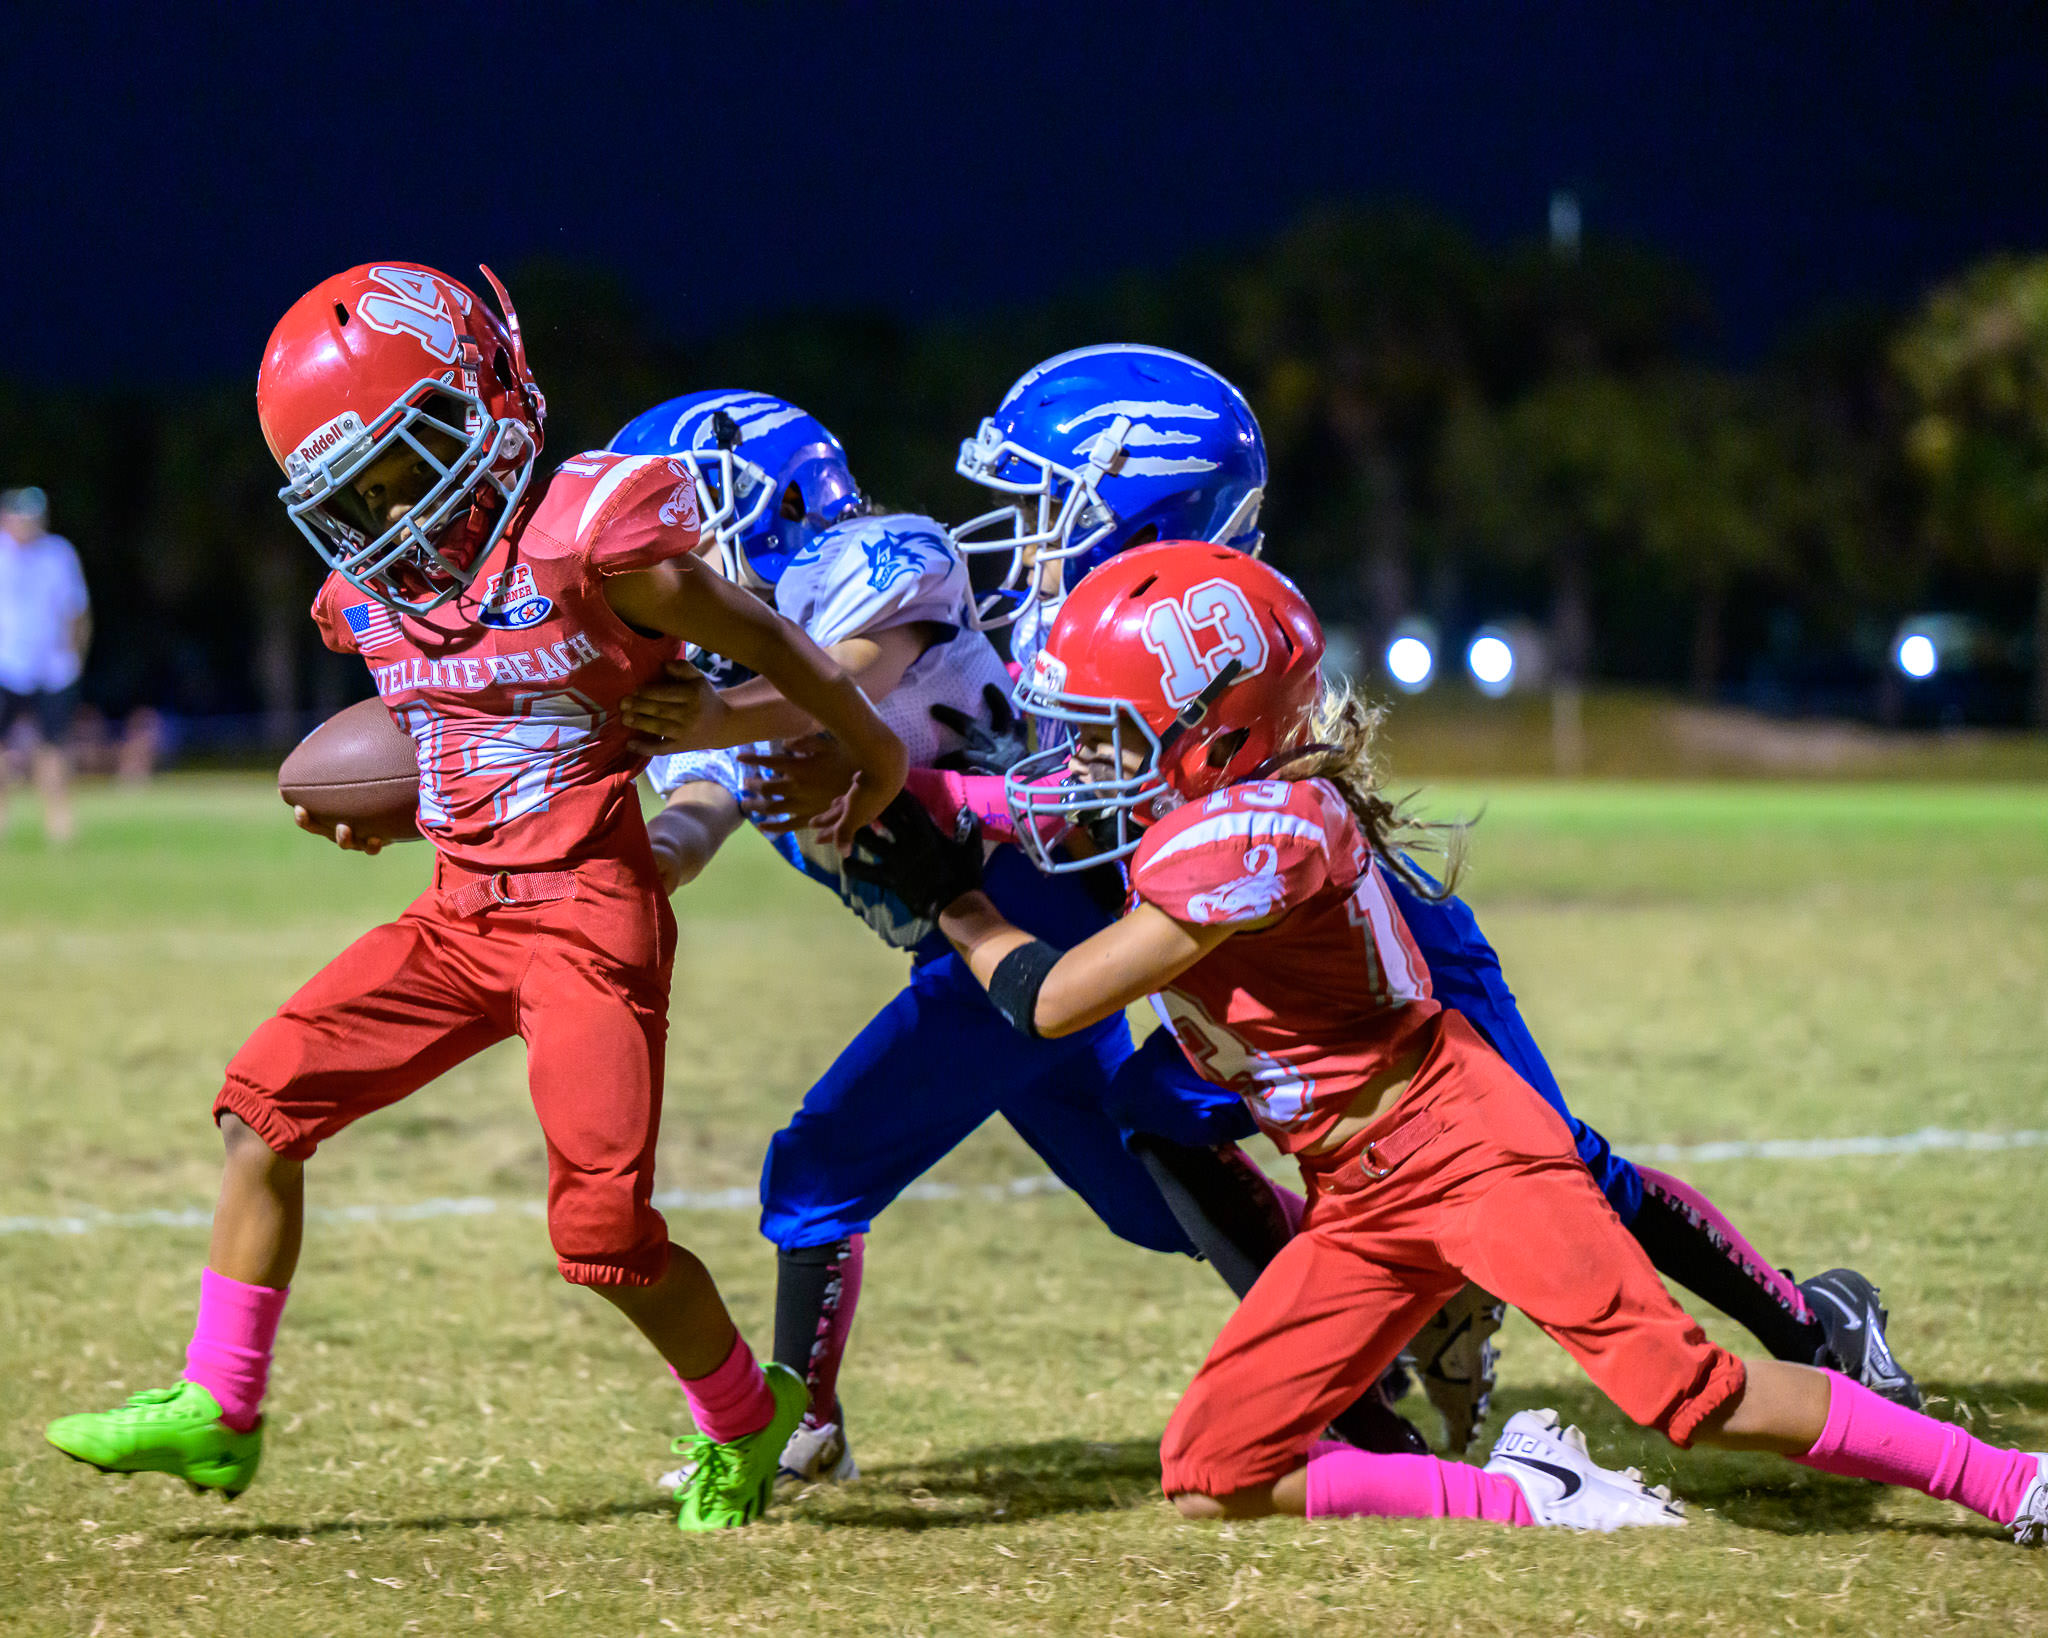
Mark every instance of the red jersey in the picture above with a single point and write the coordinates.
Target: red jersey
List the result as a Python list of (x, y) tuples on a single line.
[(511, 691), (1298, 1015)]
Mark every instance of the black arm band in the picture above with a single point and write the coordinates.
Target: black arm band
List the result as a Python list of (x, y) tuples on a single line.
[(1018, 978)]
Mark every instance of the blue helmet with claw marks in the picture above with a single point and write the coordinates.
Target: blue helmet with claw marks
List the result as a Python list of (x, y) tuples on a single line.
[(769, 477), (1100, 449)]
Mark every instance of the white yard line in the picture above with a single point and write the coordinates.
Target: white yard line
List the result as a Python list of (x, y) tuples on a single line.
[(1928, 1140)]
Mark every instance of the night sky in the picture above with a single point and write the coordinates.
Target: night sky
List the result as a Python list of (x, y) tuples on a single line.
[(169, 190)]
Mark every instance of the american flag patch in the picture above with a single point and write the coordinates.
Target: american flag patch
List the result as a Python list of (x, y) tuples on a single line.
[(374, 626)]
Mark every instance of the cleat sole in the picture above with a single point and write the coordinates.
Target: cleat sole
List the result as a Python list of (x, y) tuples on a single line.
[(193, 1485)]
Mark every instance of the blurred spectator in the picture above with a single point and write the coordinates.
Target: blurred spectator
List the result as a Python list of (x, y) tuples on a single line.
[(45, 624), (141, 747)]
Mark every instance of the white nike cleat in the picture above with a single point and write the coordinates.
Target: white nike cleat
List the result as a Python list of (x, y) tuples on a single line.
[(1455, 1357), (1565, 1486), (2030, 1527), (814, 1455), (817, 1455)]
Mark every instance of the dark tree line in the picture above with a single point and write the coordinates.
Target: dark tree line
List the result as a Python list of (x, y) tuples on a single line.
[(1458, 431)]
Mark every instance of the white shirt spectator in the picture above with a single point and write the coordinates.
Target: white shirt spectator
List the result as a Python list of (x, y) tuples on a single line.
[(42, 591)]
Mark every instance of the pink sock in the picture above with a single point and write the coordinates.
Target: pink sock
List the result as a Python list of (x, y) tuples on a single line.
[(229, 1355), (834, 1326), (1752, 1261), (733, 1401), (1345, 1484), (1871, 1438)]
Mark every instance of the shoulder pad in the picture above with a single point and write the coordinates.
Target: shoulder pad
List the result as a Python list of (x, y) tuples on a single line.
[(327, 615), (619, 512), (1249, 852), (871, 574)]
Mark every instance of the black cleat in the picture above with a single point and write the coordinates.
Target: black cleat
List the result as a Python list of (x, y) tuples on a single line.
[(1372, 1424), (1846, 1305), (1454, 1352)]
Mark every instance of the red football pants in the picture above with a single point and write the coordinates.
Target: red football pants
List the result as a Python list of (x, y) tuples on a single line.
[(582, 978), (1471, 1175)]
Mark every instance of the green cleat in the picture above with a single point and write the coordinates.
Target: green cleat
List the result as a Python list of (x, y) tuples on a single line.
[(732, 1484), (167, 1430)]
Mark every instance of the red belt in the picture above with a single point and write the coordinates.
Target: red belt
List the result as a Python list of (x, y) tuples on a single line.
[(480, 893)]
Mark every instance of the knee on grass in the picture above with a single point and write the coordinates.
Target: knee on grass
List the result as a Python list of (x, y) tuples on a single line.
[(1238, 1504)]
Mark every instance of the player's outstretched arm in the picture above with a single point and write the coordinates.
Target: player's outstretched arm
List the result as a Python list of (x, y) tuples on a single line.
[(682, 599), (670, 715), (1042, 990), (1125, 962), (690, 830)]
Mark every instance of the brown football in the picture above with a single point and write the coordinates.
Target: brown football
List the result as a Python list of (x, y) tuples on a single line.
[(357, 769)]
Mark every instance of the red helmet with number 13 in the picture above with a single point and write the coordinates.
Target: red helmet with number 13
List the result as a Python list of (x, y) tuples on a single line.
[(1185, 667), (407, 423)]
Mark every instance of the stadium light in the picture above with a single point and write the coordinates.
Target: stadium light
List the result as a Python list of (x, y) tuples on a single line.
[(1411, 662), (1492, 663), (1916, 655)]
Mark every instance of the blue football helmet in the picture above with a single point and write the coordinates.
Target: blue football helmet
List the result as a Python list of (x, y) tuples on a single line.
[(769, 477), (1101, 447)]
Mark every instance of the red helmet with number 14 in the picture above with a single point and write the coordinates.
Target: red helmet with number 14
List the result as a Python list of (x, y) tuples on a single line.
[(394, 359), (1185, 666)]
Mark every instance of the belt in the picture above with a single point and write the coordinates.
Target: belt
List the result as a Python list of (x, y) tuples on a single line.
[(1383, 1154), (481, 893)]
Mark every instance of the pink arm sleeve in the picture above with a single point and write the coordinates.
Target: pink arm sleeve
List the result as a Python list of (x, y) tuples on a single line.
[(947, 795)]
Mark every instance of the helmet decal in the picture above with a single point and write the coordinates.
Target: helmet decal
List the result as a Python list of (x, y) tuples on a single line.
[(1170, 631), (1096, 451), (1139, 433), (416, 307), (1170, 672), (747, 452)]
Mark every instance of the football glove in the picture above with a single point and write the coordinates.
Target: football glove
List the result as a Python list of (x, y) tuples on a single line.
[(907, 853), (994, 748)]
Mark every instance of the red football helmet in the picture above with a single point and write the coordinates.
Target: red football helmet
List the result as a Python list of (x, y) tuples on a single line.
[(390, 355), (1203, 658)]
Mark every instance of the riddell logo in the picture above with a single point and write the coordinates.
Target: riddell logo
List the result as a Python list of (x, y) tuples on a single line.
[(1048, 672), (344, 429)]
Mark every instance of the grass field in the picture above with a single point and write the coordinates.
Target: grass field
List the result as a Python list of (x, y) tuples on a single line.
[(461, 1443)]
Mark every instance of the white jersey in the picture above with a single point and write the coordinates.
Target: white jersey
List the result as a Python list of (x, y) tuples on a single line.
[(858, 578)]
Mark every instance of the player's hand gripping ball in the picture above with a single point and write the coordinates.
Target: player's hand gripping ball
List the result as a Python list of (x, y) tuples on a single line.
[(907, 853), (355, 779)]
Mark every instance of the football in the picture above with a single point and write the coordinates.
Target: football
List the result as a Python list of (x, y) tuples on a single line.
[(358, 768)]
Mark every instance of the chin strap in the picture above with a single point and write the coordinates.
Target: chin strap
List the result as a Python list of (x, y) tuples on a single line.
[(1198, 707), (536, 401)]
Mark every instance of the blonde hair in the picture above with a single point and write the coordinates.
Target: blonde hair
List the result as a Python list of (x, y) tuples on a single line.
[(1343, 728)]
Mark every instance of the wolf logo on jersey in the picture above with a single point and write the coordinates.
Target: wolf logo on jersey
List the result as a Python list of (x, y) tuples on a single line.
[(890, 557)]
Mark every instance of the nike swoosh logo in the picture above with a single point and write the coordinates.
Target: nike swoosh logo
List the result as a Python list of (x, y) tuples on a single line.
[(1851, 1320), (1572, 1483)]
